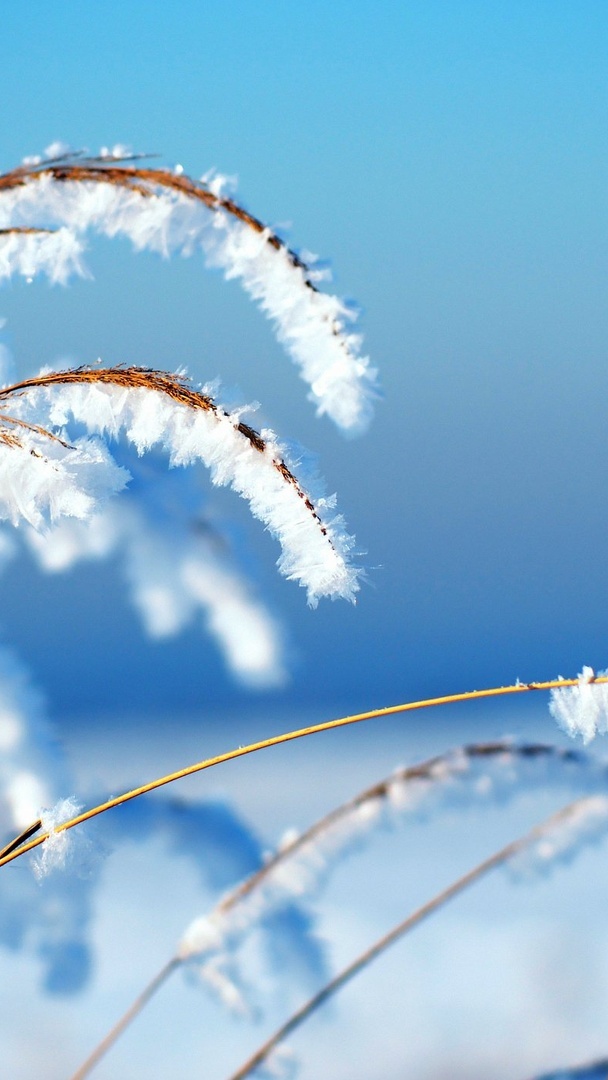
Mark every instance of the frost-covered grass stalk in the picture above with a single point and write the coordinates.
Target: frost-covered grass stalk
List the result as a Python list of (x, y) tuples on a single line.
[(584, 820), (167, 211), (45, 477)]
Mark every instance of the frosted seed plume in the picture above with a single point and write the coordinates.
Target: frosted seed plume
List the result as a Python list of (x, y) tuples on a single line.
[(166, 211), (41, 480), (582, 709), (156, 409)]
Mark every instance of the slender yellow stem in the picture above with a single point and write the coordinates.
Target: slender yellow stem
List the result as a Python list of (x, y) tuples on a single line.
[(139, 1003), (397, 932), (290, 736)]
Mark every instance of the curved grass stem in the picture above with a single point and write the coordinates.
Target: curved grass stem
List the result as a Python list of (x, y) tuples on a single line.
[(291, 736)]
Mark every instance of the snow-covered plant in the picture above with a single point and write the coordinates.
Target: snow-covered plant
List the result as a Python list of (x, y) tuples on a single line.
[(48, 205), (44, 477)]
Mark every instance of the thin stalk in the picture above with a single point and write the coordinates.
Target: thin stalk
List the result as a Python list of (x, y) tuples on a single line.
[(291, 736), (139, 1003), (383, 943)]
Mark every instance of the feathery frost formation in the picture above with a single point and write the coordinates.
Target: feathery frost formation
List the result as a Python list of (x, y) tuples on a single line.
[(59, 846), (155, 409), (213, 943), (582, 709), (166, 211), (29, 252)]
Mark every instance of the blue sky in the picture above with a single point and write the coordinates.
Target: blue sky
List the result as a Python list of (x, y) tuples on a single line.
[(450, 161)]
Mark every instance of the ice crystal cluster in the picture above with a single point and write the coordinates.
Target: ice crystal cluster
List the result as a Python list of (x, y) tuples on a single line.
[(582, 709)]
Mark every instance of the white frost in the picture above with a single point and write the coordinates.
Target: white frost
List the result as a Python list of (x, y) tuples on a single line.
[(55, 850), (43, 480), (582, 709), (314, 549)]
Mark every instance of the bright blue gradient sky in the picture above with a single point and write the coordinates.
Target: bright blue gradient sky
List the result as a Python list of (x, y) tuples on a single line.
[(450, 160)]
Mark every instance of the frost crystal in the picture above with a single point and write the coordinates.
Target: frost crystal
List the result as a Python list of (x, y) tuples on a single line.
[(56, 849), (582, 709)]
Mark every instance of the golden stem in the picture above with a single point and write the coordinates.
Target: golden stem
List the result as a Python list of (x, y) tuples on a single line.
[(290, 736)]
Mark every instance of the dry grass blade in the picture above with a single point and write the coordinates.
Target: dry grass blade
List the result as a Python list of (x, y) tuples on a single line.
[(383, 943), (291, 736), (9, 438), (426, 770)]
